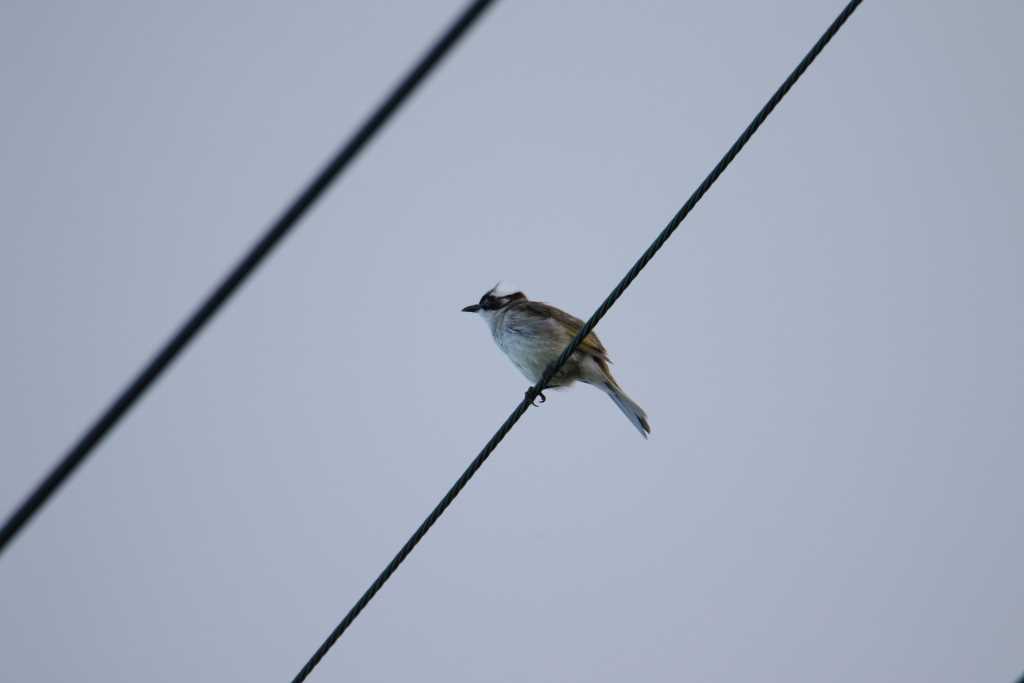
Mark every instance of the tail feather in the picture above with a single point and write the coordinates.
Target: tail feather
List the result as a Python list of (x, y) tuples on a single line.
[(628, 407)]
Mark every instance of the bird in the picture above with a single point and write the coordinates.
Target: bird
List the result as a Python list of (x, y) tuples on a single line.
[(533, 335)]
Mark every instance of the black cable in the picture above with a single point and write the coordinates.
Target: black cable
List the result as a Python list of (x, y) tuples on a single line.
[(532, 393), (242, 270)]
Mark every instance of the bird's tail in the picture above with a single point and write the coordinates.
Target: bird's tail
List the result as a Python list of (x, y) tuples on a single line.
[(627, 405)]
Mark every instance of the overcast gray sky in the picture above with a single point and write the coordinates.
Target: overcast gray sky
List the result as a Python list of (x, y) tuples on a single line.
[(829, 350)]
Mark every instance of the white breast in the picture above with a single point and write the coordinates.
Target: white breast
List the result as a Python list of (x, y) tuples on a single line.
[(529, 350)]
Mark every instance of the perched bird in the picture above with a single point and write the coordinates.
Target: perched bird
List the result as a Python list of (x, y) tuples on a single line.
[(533, 334)]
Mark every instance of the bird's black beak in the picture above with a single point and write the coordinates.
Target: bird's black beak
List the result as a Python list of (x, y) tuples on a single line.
[(471, 309)]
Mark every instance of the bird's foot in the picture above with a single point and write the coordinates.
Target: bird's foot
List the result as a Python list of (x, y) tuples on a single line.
[(530, 394)]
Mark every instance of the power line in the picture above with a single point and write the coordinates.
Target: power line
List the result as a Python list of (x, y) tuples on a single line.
[(242, 270), (587, 328)]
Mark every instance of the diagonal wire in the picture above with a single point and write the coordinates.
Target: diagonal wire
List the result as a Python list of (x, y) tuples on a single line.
[(241, 271), (532, 393)]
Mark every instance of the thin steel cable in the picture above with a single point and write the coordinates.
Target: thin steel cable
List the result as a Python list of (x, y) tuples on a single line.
[(532, 393), (242, 270)]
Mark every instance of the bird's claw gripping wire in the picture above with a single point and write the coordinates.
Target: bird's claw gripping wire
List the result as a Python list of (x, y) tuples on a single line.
[(534, 395)]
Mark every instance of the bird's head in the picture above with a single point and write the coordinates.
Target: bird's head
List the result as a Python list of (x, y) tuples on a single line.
[(493, 301)]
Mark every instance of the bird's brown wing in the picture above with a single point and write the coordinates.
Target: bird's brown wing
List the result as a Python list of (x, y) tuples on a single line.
[(591, 344)]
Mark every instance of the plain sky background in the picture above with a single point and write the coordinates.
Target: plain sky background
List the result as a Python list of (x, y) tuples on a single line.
[(829, 349)]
